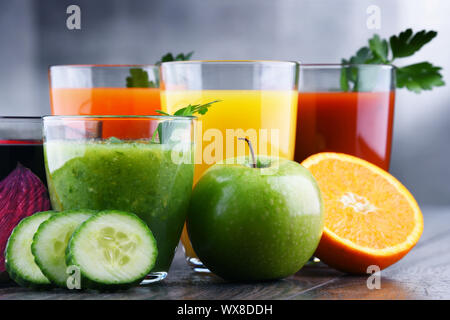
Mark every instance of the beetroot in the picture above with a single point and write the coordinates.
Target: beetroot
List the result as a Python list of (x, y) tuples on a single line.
[(22, 193)]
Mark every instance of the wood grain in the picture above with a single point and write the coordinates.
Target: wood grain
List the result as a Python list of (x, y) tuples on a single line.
[(423, 274)]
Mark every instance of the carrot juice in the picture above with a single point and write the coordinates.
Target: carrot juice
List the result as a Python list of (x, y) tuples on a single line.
[(108, 101), (104, 101), (356, 123)]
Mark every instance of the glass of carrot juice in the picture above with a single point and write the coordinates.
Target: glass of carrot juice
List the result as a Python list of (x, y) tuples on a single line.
[(106, 90)]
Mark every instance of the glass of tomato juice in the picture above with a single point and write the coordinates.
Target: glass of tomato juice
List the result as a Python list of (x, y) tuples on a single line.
[(348, 109)]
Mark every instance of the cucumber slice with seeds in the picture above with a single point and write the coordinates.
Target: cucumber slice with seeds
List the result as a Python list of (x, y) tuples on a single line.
[(50, 243), (19, 260), (113, 249)]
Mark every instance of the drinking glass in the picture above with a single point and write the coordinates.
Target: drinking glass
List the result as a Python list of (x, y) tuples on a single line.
[(348, 109), (104, 89), (149, 172), (21, 142), (255, 99)]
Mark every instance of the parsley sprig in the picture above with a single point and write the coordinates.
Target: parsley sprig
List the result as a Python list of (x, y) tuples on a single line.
[(138, 77), (190, 110), (166, 128), (415, 77), (179, 57)]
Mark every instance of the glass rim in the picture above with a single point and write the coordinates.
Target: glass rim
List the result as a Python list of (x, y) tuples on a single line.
[(341, 65), (112, 66), (227, 62), (20, 118), (87, 117)]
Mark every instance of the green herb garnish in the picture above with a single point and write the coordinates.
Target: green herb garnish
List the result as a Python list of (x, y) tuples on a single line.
[(415, 77), (139, 79), (190, 110), (179, 57), (166, 128)]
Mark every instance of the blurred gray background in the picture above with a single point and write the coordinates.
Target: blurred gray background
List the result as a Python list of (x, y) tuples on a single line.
[(33, 35)]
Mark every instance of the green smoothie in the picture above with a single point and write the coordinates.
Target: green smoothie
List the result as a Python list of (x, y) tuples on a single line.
[(135, 176)]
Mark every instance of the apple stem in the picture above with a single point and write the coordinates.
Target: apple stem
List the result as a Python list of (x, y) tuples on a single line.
[(251, 151)]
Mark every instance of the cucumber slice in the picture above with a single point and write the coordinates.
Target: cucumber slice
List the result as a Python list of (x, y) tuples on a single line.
[(19, 260), (50, 243), (112, 249)]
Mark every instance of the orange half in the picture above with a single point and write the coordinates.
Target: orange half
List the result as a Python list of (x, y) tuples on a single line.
[(370, 217)]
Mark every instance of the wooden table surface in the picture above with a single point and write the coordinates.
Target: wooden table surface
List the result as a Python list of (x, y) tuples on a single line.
[(423, 274)]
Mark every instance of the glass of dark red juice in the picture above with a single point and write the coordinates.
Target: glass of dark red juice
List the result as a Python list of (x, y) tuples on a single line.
[(22, 176), (346, 108), (21, 142)]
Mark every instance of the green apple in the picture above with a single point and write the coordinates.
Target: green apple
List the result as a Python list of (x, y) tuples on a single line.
[(255, 220)]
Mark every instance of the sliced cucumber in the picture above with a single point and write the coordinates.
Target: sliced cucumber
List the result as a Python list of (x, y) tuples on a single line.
[(19, 260), (50, 243), (112, 249)]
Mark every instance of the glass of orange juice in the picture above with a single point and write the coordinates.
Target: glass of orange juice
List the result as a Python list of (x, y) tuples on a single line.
[(258, 100), (106, 90)]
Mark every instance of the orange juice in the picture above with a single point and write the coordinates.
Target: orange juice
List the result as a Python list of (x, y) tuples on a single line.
[(244, 111), (107, 101), (267, 117)]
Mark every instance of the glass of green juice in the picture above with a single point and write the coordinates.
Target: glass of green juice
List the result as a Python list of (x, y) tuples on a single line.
[(93, 163)]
